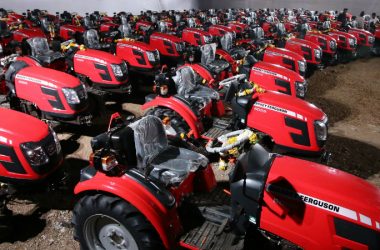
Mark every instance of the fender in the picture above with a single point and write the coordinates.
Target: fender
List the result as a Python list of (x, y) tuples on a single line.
[(163, 219), (181, 108), (225, 55), (29, 60), (202, 71)]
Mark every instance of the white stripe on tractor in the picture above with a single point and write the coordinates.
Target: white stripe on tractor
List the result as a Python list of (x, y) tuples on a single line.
[(364, 219)]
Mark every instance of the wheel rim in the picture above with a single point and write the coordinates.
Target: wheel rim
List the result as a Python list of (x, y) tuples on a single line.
[(104, 232)]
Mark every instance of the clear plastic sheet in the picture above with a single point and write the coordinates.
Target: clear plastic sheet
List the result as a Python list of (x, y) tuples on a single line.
[(208, 53), (125, 30), (185, 80), (40, 50), (258, 33), (171, 165), (91, 39), (226, 41), (280, 28)]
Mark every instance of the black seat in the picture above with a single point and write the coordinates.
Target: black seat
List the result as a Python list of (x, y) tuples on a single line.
[(170, 165), (41, 51), (11, 73), (241, 105), (217, 66)]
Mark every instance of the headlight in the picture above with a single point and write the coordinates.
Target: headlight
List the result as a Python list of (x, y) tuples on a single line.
[(302, 66), (179, 47), (351, 41), (320, 130), (208, 39), (71, 96), (318, 53), (332, 45), (301, 88), (153, 56), (35, 154), (119, 69)]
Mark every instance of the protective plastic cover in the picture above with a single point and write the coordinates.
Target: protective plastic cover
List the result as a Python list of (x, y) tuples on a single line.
[(208, 53), (125, 30), (170, 164), (40, 49), (91, 39), (185, 80), (258, 33), (226, 41)]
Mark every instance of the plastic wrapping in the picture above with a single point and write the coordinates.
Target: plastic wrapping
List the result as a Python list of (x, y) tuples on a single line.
[(88, 22), (191, 22), (208, 53), (40, 50), (258, 33), (125, 30), (185, 81), (171, 165), (91, 39), (326, 25), (226, 41), (162, 26), (39, 45), (280, 28)]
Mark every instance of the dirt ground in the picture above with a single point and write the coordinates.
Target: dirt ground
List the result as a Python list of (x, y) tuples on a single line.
[(348, 93)]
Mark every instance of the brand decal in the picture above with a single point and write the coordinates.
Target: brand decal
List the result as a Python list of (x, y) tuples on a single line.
[(280, 110)]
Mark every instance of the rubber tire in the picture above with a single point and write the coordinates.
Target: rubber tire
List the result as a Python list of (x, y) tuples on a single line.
[(143, 232)]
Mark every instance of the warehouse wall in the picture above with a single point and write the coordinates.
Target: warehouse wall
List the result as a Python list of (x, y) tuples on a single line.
[(82, 6), (354, 6), (110, 6)]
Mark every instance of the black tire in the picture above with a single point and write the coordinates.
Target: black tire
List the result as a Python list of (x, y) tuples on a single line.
[(114, 213)]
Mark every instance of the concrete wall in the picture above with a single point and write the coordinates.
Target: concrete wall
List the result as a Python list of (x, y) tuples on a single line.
[(134, 6)]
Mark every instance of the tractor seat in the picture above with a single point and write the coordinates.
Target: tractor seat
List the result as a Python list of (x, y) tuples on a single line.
[(240, 105), (237, 53), (170, 165), (41, 51), (217, 66)]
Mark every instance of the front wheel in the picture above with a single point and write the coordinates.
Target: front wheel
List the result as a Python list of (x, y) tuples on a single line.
[(106, 222)]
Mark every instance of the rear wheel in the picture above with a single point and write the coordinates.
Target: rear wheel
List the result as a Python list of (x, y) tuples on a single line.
[(106, 222)]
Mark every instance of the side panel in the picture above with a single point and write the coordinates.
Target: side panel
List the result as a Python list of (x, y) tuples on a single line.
[(287, 126), (135, 56)]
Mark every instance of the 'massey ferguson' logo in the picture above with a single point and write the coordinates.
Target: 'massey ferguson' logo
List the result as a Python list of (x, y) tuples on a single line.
[(320, 203), (280, 110)]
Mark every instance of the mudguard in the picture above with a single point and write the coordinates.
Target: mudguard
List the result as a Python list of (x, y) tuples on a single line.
[(219, 30), (238, 27), (289, 121), (181, 108), (202, 71), (304, 48), (318, 207), (224, 55), (163, 218), (96, 65)]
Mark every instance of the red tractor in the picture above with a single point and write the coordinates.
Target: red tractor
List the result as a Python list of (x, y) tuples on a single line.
[(141, 193), (274, 77), (197, 112), (365, 40), (46, 93), (30, 155), (376, 46)]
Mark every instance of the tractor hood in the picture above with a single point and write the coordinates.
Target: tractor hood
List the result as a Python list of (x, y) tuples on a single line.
[(304, 43), (12, 130), (279, 71), (73, 28), (97, 56), (334, 191), (172, 38), (28, 33), (285, 53), (360, 31), (47, 77), (289, 105), (135, 44), (341, 33), (197, 31)]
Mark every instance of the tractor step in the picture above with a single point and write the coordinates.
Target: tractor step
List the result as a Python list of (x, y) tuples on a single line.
[(212, 235), (219, 127)]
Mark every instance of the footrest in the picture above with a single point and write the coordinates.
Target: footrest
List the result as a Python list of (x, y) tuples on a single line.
[(211, 236), (215, 132)]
